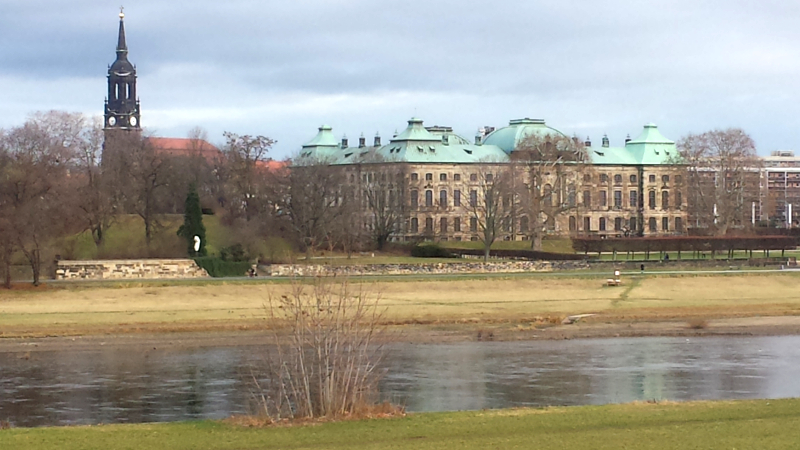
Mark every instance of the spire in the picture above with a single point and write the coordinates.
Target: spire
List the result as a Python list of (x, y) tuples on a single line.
[(122, 46)]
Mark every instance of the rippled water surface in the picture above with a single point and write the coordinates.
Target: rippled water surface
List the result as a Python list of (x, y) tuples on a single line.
[(113, 385)]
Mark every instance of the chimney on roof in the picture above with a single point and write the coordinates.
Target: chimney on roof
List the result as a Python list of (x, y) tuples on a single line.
[(377, 139), (395, 134), (628, 139), (605, 141), (362, 141), (588, 142), (479, 137), (445, 139), (344, 141)]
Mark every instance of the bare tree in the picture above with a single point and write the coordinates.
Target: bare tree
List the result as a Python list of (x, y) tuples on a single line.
[(485, 204), (383, 191), (314, 201), (551, 167), (141, 175), (243, 173), (33, 188), (94, 200), (723, 174)]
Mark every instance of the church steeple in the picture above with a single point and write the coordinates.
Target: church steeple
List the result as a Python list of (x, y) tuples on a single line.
[(122, 105), (122, 46)]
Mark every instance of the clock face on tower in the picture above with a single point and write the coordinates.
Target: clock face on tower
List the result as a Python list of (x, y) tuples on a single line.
[(133, 121), (112, 121)]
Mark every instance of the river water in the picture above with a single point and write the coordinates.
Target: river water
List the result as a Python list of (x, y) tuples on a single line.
[(114, 386)]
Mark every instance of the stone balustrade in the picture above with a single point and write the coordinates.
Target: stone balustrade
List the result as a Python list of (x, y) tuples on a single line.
[(128, 269)]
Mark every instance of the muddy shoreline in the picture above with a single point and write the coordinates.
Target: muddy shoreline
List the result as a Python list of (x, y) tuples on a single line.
[(420, 334)]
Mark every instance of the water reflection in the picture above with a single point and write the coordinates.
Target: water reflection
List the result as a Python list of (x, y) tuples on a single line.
[(109, 385)]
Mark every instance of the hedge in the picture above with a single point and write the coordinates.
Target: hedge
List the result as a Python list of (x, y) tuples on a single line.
[(683, 243), (218, 268), (430, 251)]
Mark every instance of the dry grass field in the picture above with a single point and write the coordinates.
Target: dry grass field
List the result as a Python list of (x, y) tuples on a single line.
[(86, 310)]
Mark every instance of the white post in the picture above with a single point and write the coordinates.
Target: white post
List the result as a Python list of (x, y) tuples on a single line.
[(789, 217), (753, 214)]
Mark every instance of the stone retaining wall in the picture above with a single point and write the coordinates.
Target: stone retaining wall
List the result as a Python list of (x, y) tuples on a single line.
[(286, 270), (128, 269)]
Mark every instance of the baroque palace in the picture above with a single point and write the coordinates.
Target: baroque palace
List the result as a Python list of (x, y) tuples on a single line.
[(635, 189), (437, 177)]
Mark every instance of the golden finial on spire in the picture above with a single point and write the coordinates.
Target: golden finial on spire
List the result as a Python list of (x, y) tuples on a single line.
[(121, 12)]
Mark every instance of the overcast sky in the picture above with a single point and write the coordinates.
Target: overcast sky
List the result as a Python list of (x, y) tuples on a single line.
[(282, 68)]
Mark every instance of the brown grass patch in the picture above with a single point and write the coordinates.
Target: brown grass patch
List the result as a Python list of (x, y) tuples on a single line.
[(697, 323), (383, 410)]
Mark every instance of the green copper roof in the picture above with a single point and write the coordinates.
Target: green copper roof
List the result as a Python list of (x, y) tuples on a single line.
[(440, 145), (324, 138), (614, 156), (508, 138), (652, 148), (415, 132), (418, 145), (649, 148), (651, 135)]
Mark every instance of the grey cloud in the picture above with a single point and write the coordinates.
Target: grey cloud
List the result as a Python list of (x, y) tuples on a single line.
[(602, 66)]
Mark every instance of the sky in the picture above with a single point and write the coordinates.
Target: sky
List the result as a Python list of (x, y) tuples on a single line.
[(283, 68)]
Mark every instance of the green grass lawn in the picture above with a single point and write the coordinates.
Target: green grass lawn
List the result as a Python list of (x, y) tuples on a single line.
[(760, 424)]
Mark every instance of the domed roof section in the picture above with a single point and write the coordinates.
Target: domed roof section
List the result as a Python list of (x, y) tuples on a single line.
[(324, 138), (508, 138), (121, 67)]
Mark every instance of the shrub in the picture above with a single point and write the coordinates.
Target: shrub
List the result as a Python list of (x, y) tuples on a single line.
[(327, 341), (430, 251), (234, 253), (218, 267)]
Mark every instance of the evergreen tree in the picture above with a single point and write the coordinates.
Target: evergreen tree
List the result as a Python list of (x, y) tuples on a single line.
[(193, 223)]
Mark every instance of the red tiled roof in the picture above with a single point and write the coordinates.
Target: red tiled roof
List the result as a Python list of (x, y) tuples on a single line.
[(272, 164), (185, 147)]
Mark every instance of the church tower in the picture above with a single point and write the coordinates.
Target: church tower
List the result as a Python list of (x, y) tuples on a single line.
[(122, 105)]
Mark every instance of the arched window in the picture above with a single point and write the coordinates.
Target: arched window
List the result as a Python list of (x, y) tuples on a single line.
[(443, 225), (414, 225), (678, 199), (602, 224), (587, 224), (632, 224), (573, 223), (414, 199), (633, 179), (618, 224), (665, 223), (443, 198), (429, 198), (618, 179), (429, 225), (678, 224), (652, 224), (547, 195), (664, 199), (652, 199)]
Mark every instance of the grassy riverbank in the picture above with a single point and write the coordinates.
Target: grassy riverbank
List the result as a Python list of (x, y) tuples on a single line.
[(523, 301), (761, 424)]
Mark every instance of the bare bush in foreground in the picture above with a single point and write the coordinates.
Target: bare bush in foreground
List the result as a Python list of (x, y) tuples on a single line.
[(327, 347)]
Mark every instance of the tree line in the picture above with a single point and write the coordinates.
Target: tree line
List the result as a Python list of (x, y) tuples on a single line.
[(62, 174)]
